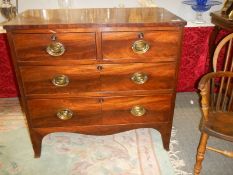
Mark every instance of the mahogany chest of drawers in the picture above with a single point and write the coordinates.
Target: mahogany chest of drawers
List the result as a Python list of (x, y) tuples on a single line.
[(96, 71)]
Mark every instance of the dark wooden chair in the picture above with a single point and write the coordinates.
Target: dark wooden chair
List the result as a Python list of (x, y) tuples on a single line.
[(217, 114)]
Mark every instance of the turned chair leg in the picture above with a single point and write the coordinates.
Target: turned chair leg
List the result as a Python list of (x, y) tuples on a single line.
[(200, 153)]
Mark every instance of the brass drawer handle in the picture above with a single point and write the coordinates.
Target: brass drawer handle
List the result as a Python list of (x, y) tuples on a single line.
[(140, 46), (139, 77), (138, 111), (55, 49), (60, 80), (65, 114)]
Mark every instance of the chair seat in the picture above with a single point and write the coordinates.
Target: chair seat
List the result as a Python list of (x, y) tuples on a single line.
[(220, 125)]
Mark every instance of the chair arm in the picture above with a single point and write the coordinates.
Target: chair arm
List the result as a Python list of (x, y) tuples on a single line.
[(205, 79), (204, 87)]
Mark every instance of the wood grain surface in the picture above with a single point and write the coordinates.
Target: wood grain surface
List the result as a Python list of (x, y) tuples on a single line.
[(37, 80), (163, 45), (32, 47), (117, 77), (101, 17)]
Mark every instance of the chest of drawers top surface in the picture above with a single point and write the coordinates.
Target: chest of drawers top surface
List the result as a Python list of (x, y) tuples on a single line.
[(58, 18)]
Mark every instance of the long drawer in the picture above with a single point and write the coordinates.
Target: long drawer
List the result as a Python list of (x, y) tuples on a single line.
[(41, 80), (99, 111), (148, 46), (76, 46)]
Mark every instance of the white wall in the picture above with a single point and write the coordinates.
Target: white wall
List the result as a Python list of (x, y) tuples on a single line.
[(175, 6), (185, 11), (47, 4)]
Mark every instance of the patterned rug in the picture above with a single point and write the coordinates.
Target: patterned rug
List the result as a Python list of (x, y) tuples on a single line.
[(135, 152)]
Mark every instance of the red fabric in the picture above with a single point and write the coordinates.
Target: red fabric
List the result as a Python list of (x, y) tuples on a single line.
[(194, 61), (194, 58), (8, 86)]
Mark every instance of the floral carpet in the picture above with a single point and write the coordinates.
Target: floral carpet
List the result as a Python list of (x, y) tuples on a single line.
[(135, 152)]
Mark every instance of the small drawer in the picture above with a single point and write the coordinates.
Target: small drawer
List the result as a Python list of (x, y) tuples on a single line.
[(149, 46), (54, 47), (142, 109), (60, 80), (64, 112), (137, 76)]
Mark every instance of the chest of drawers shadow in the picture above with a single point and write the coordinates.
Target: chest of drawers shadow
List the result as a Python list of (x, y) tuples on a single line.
[(96, 71)]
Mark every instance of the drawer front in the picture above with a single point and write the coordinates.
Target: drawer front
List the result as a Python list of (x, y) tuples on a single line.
[(105, 111), (138, 76), (60, 80), (163, 46), (143, 109), (64, 112), (77, 46)]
